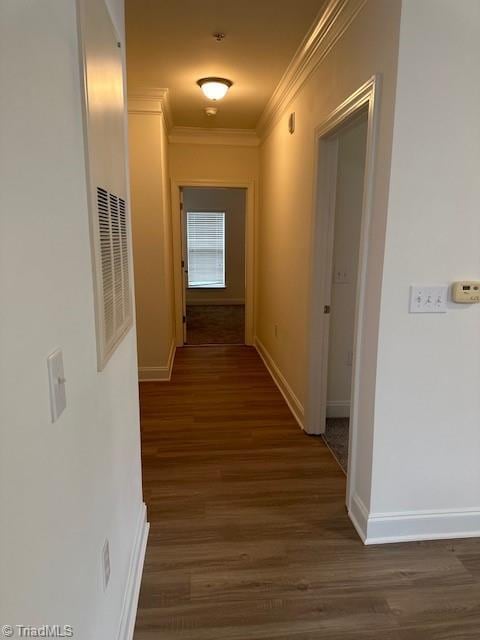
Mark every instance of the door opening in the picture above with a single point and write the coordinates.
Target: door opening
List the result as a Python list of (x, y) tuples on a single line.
[(350, 143), (339, 387), (213, 224)]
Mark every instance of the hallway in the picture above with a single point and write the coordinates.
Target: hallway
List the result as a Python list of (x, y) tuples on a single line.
[(249, 534)]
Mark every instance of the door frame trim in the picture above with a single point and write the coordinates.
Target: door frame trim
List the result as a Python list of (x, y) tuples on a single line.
[(365, 98), (176, 185)]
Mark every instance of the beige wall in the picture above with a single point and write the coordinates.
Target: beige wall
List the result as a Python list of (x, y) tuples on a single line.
[(368, 47), (152, 247), (348, 216), (232, 202), (213, 162)]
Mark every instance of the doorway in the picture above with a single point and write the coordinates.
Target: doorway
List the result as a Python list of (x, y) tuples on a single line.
[(352, 125), (350, 143), (213, 223)]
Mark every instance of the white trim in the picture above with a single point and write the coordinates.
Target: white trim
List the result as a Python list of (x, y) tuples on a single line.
[(338, 408), (159, 374), (200, 135), (409, 526), (250, 215), (291, 399), (366, 97), (358, 514), (215, 302), (330, 24), (134, 579), (153, 102)]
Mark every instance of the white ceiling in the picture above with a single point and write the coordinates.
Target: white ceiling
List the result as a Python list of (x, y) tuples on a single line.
[(170, 45)]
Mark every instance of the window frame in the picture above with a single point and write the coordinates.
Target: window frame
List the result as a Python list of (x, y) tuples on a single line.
[(225, 252)]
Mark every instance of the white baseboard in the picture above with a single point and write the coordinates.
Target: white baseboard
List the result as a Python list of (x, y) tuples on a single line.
[(159, 374), (410, 526), (215, 302), (338, 408), (132, 589), (290, 398), (358, 514)]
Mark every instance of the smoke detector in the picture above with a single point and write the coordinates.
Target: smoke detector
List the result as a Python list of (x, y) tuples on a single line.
[(211, 111)]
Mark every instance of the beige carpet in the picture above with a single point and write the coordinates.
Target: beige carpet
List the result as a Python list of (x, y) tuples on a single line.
[(215, 324), (336, 437)]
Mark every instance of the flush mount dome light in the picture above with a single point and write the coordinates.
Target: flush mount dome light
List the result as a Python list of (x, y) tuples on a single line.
[(214, 88)]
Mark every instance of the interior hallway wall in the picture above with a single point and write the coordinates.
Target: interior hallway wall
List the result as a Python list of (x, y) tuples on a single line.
[(369, 46), (152, 242), (213, 161), (427, 439), (348, 218), (65, 487), (232, 202)]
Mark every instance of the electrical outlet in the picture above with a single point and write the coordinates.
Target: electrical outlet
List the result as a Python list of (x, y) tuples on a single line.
[(106, 564)]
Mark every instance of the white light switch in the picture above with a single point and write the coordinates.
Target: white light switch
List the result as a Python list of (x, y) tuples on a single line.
[(56, 378), (340, 276), (428, 299)]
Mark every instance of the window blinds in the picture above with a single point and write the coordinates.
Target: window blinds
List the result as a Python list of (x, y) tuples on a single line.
[(206, 249)]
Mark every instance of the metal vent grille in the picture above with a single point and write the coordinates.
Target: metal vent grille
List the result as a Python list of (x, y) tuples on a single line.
[(125, 265), (114, 286), (106, 259)]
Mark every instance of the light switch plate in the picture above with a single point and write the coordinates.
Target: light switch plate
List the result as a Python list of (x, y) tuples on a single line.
[(340, 276), (428, 299), (56, 379)]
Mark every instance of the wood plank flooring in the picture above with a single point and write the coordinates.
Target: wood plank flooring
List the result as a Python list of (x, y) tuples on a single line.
[(249, 535)]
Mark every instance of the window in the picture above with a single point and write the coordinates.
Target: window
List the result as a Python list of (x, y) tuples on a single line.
[(206, 249)]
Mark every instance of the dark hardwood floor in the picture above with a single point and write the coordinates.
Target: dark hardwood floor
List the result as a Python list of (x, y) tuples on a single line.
[(249, 535)]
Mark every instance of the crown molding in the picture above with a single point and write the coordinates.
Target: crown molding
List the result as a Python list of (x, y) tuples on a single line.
[(200, 135), (151, 101), (330, 24)]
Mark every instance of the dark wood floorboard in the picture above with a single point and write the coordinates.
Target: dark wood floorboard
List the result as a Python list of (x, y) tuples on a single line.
[(249, 535)]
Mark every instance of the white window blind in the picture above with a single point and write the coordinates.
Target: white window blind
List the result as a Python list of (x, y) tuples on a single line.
[(206, 249)]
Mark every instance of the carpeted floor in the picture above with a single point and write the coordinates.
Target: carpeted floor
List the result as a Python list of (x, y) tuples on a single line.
[(215, 324), (336, 437)]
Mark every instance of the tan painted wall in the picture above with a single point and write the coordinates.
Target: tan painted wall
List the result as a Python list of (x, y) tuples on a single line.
[(369, 46), (213, 162), (232, 202), (152, 247)]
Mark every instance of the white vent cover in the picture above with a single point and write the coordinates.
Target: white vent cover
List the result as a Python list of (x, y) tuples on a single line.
[(113, 279), (104, 130)]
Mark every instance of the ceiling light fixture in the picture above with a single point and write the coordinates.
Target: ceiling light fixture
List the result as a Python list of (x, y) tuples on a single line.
[(214, 88)]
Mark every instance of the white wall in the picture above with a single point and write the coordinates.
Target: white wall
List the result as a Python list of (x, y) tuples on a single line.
[(427, 436), (64, 487), (348, 216), (232, 202)]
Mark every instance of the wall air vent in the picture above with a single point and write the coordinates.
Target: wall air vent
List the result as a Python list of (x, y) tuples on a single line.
[(113, 278)]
